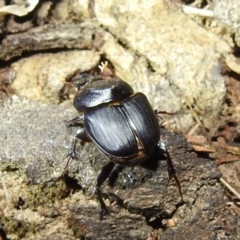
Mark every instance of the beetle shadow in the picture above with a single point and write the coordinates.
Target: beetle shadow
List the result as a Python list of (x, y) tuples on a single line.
[(151, 164), (157, 156)]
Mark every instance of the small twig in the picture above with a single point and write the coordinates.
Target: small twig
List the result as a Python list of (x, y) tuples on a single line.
[(226, 160), (230, 188), (193, 129), (193, 111), (197, 11), (102, 65)]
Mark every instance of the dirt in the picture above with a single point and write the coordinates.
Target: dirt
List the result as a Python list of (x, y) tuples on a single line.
[(188, 66)]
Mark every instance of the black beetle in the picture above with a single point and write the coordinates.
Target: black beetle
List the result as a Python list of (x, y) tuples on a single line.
[(120, 122)]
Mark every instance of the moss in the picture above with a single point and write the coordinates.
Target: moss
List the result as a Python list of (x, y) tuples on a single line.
[(19, 228)]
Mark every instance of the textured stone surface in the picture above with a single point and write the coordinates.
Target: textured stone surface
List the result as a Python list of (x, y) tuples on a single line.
[(41, 77), (159, 51), (227, 11)]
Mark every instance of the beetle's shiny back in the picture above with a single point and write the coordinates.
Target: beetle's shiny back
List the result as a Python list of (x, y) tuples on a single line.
[(143, 120), (125, 132), (102, 92)]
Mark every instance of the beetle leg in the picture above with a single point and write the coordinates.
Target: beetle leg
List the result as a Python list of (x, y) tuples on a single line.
[(80, 134), (76, 122), (172, 174), (104, 174), (171, 170), (72, 153)]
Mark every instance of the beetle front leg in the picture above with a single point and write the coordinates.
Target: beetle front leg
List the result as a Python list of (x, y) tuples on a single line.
[(76, 122), (104, 174), (82, 135)]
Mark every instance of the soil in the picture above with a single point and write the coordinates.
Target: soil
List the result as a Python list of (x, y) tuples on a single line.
[(187, 66)]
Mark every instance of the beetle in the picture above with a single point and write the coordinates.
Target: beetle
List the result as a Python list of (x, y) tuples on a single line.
[(120, 122)]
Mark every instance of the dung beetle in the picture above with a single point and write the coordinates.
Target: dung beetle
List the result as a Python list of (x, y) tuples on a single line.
[(120, 122)]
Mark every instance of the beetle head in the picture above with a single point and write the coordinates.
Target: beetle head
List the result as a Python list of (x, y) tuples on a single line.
[(80, 80)]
